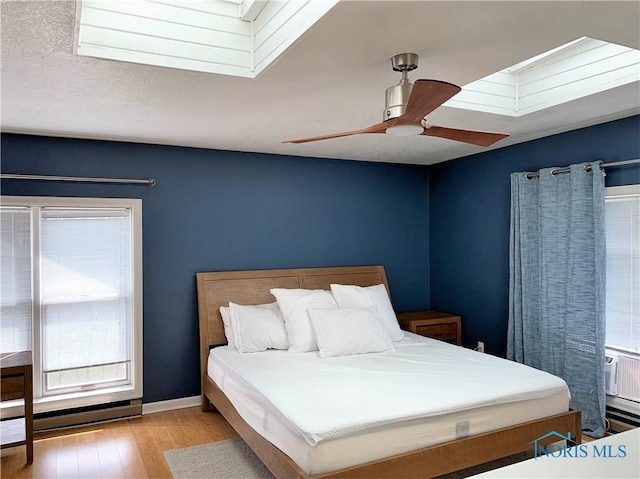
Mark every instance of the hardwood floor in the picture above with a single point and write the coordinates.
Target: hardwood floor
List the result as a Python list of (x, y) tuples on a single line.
[(129, 448)]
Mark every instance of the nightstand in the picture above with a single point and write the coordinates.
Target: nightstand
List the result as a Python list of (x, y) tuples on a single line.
[(433, 324)]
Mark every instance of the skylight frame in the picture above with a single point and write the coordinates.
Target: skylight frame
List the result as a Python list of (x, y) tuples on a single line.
[(582, 67)]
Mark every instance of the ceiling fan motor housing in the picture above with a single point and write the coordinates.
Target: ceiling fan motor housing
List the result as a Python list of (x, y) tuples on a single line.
[(397, 96)]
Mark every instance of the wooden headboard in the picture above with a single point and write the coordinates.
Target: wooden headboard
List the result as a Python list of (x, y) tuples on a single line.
[(252, 287)]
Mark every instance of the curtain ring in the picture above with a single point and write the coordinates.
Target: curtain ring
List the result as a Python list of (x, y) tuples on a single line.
[(554, 172), (588, 168)]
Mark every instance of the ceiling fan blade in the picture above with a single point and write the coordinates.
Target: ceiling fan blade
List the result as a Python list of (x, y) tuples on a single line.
[(479, 138), (377, 128), (426, 96)]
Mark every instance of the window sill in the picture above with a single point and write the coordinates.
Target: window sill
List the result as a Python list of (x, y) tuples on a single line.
[(626, 405)]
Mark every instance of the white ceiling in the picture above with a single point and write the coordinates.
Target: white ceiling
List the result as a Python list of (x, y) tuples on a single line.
[(332, 80)]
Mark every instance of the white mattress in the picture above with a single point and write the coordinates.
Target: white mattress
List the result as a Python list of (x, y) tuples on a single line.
[(328, 414)]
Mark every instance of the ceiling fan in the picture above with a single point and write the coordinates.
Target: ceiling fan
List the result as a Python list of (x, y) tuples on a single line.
[(407, 106)]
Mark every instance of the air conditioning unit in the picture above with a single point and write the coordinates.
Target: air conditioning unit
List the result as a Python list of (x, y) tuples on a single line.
[(628, 377), (611, 375)]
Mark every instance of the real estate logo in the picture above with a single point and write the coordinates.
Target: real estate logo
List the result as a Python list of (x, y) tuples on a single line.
[(574, 450)]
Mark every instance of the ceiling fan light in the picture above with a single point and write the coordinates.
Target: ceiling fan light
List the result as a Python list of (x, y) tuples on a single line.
[(405, 130)]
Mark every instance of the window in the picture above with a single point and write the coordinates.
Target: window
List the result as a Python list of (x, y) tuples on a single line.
[(622, 219), (71, 291)]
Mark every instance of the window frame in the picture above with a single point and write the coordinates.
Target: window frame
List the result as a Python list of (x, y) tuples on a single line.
[(47, 403)]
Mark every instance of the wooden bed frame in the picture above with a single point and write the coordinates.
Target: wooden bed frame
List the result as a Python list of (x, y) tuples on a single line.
[(252, 287)]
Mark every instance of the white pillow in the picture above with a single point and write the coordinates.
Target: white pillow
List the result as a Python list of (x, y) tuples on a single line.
[(257, 328), (349, 296), (345, 331), (228, 329), (294, 304)]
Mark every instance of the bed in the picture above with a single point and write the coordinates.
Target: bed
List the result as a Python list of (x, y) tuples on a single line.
[(217, 289)]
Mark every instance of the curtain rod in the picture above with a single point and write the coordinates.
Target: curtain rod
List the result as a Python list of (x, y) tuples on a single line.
[(148, 182), (588, 167)]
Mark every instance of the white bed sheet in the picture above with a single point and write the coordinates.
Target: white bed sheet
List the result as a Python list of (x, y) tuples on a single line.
[(328, 414)]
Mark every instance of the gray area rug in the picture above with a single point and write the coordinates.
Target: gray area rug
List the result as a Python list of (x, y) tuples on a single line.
[(228, 459), (233, 459)]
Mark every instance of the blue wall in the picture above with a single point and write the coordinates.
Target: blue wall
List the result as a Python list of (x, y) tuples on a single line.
[(469, 219), (441, 232), (217, 210)]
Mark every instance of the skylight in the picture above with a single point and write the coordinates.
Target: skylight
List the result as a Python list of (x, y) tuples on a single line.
[(231, 37), (577, 69)]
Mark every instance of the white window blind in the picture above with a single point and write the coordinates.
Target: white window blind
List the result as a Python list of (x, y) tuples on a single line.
[(15, 279), (622, 218), (86, 296)]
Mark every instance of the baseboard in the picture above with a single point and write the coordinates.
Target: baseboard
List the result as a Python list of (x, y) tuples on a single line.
[(171, 404), (87, 415), (107, 412), (623, 414)]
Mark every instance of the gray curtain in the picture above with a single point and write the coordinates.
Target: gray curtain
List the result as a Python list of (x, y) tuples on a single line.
[(557, 282)]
